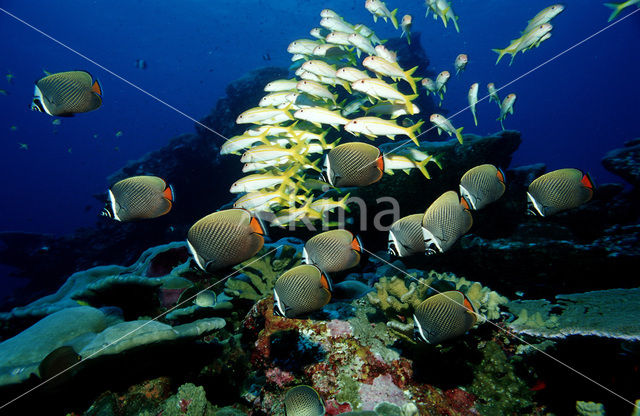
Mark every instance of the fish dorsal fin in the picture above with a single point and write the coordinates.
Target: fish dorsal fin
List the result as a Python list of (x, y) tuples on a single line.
[(501, 176), (96, 87), (168, 193), (465, 204), (356, 244), (587, 182)]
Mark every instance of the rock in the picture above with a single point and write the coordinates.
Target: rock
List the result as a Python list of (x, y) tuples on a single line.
[(625, 162)]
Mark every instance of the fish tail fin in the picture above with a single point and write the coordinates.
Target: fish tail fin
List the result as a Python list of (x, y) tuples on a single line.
[(412, 80), (617, 8), (459, 134), (411, 132), (422, 167), (475, 119), (501, 124), (455, 23), (444, 16), (346, 86), (343, 203), (500, 52), (409, 104), (408, 38), (393, 18)]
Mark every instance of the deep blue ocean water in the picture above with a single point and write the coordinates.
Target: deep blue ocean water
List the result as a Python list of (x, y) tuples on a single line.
[(571, 111)]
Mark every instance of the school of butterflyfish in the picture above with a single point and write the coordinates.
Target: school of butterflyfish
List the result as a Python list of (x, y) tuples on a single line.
[(345, 88)]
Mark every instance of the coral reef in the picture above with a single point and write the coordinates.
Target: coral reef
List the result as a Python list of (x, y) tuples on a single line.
[(259, 275), (351, 368), (613, 313), (589, 408), (398, 295), (499, 390)]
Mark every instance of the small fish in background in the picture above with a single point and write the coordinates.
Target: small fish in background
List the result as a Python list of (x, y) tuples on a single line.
[(266, 57), (430, 86), (493, 93), (4, 92), (303, 401), (441, 84), (379, 9), (139, 197), (140, 64), (472, 97), (443, 316), (385, 53), (259, 181), (407, 20), (559, 190), (461, 63), (373, 127), (56, 122), (9, 77), (353, 164), (225, 238), (392, 110), (379, 89), (23, 146), (205, 299), (544, 16), (302, 46), (506, 108), (69, 150), (281, 85), (336, 24), (442, 9), (57, 365), (333, 251), (443, 124), (67, 93), (265, 115), (119, 133), (618, 7), (301, 290), (320, 115), (482, 185), (525, 42), (323, 205), (411, 159), (319, 32), (447, 219), (351, 74), (13, 128), (362, 44), (392, 70), (405, 236)]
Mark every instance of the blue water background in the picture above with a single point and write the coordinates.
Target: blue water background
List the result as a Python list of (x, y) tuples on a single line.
[(570, 111)]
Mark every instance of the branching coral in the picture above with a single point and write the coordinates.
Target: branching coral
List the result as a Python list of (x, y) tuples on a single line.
[(398, 296)]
